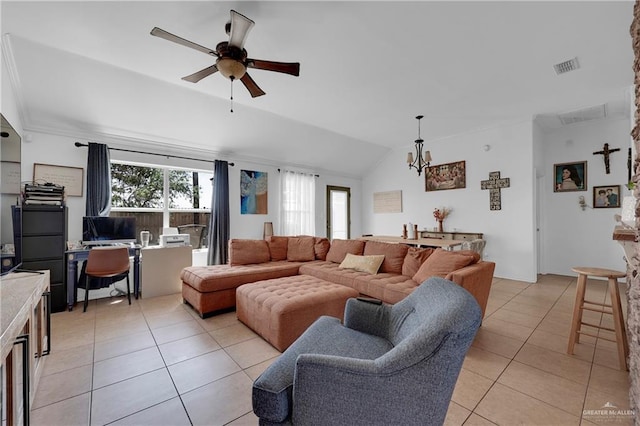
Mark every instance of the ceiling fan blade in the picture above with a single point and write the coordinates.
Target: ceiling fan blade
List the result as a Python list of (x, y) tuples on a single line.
[(292, 68), (197, 76), (251, 86), (240, 27), (158, 32)]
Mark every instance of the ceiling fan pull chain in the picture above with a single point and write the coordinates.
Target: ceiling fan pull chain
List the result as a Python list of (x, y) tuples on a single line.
[(231, 92)]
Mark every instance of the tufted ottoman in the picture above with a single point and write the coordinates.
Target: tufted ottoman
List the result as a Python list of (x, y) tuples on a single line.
[(281, 309)]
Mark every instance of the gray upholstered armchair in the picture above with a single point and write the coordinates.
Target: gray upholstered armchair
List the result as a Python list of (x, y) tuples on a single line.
[(387, 365)]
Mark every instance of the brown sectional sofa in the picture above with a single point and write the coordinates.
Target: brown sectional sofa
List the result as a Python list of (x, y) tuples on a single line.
[(209, 289)]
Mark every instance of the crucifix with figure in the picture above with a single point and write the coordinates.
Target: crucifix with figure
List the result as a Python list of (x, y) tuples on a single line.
[(606, 151), (494, 184)]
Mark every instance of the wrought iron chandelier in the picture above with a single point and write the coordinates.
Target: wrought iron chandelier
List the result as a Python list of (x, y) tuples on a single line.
[(420, 162)]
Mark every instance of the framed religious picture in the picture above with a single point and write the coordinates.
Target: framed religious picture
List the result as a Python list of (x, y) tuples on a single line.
[(446, 176), (606, 196), (570, 177)]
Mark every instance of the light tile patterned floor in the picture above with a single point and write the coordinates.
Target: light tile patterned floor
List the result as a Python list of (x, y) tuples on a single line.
[(157, 363)]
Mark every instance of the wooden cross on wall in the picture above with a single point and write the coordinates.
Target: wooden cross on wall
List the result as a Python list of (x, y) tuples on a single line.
[(494, 184), (606, 151)]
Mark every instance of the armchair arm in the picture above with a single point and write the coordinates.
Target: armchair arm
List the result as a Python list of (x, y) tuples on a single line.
[(339, 390), (367, 317)]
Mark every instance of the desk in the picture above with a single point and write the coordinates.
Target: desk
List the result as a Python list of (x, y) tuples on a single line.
[(75, 256), (161, 268), (420, 242)]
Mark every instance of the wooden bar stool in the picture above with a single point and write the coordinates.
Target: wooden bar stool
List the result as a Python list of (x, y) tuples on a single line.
[(614, 309)]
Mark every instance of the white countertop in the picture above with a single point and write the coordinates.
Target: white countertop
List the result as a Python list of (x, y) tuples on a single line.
[(19, 292)]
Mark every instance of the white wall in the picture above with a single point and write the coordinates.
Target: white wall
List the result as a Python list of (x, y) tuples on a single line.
[(11, 114), (573, 237), (60, 150), (509, 232)]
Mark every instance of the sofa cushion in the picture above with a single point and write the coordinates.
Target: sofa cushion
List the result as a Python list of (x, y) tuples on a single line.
[(213, 278), (321, 247), (331, 272), (394, 255), (414, 259), (340, 248), (246, 252), (390, 288), (442, 262), (278, 247), (301, 249), (369, 264)]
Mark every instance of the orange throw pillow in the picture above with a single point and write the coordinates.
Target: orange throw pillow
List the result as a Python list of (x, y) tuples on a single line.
[(246, 252), (394, 255), (340, 248), (278, 247), (301, 249), (321, 248), (414, 259), (442, 262)]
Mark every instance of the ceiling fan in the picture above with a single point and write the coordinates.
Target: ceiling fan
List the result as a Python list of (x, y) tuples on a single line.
[(232, 59)]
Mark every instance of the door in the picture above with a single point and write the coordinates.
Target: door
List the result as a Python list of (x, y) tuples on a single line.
[(338, 212)]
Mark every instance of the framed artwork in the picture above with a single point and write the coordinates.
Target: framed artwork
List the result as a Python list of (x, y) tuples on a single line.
[(254, 195), (570, 177), (446, 176), (71, 178), (606, 196)]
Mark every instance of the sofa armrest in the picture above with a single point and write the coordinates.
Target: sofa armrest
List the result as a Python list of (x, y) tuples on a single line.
[(476, 279), (367, 317)]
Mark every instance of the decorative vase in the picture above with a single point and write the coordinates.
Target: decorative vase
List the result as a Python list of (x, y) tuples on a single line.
[(440, 229)]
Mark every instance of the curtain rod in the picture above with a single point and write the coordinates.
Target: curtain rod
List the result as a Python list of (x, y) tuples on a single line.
[(78, 144), (313, 175)]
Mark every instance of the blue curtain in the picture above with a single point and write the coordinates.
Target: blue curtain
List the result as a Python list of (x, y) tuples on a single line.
[(98, 180), (218, 237), (98, 198)]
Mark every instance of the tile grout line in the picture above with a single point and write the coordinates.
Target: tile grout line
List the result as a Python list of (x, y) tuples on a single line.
[(516, 354), (166, 367)]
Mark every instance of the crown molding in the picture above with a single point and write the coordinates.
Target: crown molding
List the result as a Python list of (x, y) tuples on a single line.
[(14, 78)]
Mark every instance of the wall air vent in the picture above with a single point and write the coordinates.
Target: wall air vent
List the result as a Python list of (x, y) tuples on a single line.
[(585, 114), (566, 66)]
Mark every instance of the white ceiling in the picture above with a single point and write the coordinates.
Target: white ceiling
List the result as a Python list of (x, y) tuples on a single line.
[(367, 69)]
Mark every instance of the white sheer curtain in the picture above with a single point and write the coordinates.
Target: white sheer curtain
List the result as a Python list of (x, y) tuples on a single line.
[(297, 203)]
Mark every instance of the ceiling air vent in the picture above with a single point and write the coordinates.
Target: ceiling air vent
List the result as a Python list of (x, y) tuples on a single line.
[(585, 114), (566, 66)]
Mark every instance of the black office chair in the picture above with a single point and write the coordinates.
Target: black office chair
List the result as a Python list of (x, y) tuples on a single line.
[(107, 262), (196, 233)]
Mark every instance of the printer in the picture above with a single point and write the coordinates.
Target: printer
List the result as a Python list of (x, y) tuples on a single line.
[(171, 238)]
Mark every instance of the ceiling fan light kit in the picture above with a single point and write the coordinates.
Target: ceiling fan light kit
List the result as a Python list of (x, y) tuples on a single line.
[(421, 161), (232, 60)]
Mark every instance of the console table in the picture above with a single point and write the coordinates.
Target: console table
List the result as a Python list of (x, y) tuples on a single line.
[(467, 236), (420, 242), (75, 256), (161, 269)]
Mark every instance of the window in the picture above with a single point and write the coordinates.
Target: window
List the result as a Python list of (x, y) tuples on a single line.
[(161, 197), (297, 209)]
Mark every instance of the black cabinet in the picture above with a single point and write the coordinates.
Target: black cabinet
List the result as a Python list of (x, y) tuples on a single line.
[(44, 239)]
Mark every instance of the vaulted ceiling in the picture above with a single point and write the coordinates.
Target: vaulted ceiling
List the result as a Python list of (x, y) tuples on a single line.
[(367, 69)]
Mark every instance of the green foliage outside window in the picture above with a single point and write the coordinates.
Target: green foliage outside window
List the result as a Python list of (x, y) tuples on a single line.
[(142, 187)]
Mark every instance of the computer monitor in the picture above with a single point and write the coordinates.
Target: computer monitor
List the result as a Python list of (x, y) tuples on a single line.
[(98, 230)]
